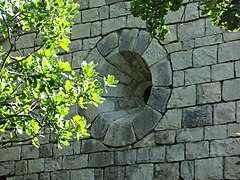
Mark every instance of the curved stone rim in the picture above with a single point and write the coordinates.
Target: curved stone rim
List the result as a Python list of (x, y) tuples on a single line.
[(118, 128)]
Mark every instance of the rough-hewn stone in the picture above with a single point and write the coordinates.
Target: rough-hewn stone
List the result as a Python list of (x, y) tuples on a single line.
[(108, 43), (231, 169), (141, 171), (224, 113), (175, 153), (231, 89), (197, 116), (36, 165), (125, 157), (75, 162), (113, 173), (10, 153), (181, 60), (189, 134), (167, 171), (208, 93), (7, 168), (127, 39), (229, 51), (197, 150), (165, 137), (141, 42), (92, 145), (222, 71), (101, 159), (87, 174), (197, 75), (215, 132), (187, 170)]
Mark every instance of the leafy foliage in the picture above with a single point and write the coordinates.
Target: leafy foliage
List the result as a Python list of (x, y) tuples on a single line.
[(37, 88), (223, 13)]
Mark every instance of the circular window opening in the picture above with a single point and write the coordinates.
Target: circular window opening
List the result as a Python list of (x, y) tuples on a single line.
[(135, 83)]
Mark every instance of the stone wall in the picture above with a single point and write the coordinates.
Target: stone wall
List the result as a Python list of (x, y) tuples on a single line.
[(187, 127)]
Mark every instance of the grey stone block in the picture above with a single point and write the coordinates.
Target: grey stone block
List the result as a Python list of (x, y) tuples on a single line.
[(60, 175), (92, 145), (135, 22), (141, 42), (231, 169), (171, 120), (178, 78), (189, 134), (104, 12), (52, 164), (209, 168), (29, 152), (197, 150), (36, 165), (183, 96), (224, 113), (225, 147), (229, 51), (101, 159), (21, 167), (208, 93), (147, 141), (175, 153), (46, 150), (231, 89), (233, 129), (191, 11), (141, 171), (119, 9), (125, 157), (222, 71), (173, 47), (7, 168), (165, 137), (120, 133), (114, 24), (205, 56), (108, 43), (127, 39), (87, 174), (75, 162), (10, 153), (158, 98), (212, 29), (167, 171), (96, 3), (197, 75), (161, 73), (80, 31), (90, 15), (113, 173), (215, 132), (197, 116), (66, 150), (181, 60), (208, 40), (145, 122), (187, 170), (237, 68)]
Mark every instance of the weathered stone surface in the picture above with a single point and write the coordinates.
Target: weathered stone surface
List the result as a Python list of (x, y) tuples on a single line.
[(87, 174), (231, 89), (92, 145), (108, 43), (222, 71), (225, 147), (96, 28), (125, 157), (224, 113), (238, 111), (104, 12), (208, 93), (197, 150), (188, 44), (30, 176), (208, 40), (96, 3), (90, 43), (20, 167), (75, 45), (209, 168), (25, 41), (113, 173), (191, 11), (215, 132), (229, 51), (231, 169), (171, 120), (114, 24), (135, 22), (189, 134), (205, 56), (145, 122), (173, 17), (127, 39), (52, 164), (66, 150), (147, 141), (36, 165), (187, 170), (185, 31), (7, 168), (171, 36), (178, 78), (29, 152), (158, 98), (154, 53), (173, 47), (75, 162), (212, 29), (167, 171), (233, 129), (197, 75), (101, 159), (197, 116), (141, 42), (120, 133), (165, 137), (175, 153), (181, 60), (90, 15), (81, 31), (46, 150), (60, 175), (183, 96), (151, 154), (119, 9), (44, 176), (229, 36), (161, 73), (10, 153), (237, 68), (141, 171)]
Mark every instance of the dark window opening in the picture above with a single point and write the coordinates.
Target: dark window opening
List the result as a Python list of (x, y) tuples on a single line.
[(146, 94)]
